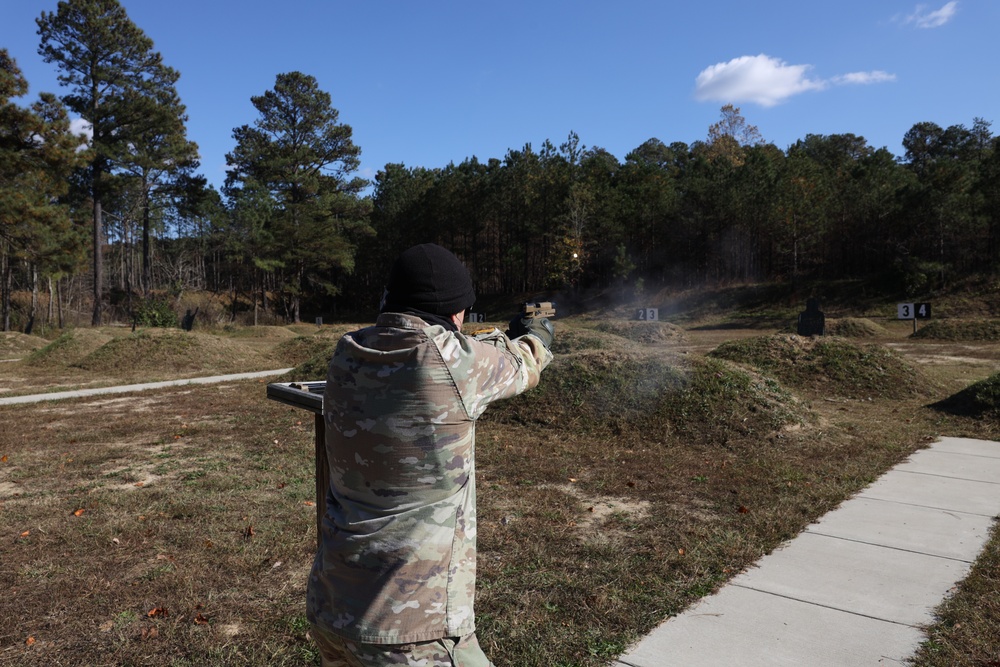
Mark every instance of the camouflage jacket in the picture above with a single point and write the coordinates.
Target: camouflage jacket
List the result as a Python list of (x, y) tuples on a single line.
[(397, 556)]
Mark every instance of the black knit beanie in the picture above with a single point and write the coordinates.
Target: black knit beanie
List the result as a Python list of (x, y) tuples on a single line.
[(429, 278)]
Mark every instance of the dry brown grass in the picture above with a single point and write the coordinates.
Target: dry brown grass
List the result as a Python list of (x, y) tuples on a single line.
[(595, 520), (14, 345), (192, 502)]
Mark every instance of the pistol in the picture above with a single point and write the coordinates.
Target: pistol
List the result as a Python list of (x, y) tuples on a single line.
[(538, 309)]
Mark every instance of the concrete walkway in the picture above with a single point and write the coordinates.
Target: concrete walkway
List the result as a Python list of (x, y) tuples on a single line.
[(854, 588), (123, 389)]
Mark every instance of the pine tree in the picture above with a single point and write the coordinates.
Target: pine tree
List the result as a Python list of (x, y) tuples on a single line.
[(115, 78), (37, 155), (300, 154)]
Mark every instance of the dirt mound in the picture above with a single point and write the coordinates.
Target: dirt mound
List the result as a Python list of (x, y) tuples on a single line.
[(69, 348), (150, 350), (644, 332), (14, 344), (311, 369), (854, 327), (627, 393), (981, 399), (337, 331), (569, 340), (968, 330), (304, 348), (278, 333), (304, 329), (829, 365)]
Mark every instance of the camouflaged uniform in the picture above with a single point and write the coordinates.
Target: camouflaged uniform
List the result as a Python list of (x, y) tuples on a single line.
[(397, 556)]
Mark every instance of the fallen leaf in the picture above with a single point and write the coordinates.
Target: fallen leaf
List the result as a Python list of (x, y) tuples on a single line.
[(29, 641), (209, 544), (572, 479), (743, 509), (681, 551), (79, 512), (281, 485), (26, 533), (276, 564), (114, 540), (200, 620), (630, 484), (139, 483), (158, 611), (590, 509), (3, 459), (150, 633), (248, 532), (106, 626), (310, 503)]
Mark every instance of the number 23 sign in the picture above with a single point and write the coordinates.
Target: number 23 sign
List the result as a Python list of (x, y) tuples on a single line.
[(913, 311)]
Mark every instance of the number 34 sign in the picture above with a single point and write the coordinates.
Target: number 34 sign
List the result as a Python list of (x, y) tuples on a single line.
[(913, 311)]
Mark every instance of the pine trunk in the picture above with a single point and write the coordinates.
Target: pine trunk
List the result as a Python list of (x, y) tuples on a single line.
[(98, 265)]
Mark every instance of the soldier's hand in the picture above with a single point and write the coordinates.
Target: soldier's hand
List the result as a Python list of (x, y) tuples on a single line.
[(540, 327)]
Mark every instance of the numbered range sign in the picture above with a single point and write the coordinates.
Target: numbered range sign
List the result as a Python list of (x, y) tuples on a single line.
[(648, 314), (913, 311), (477, 318)]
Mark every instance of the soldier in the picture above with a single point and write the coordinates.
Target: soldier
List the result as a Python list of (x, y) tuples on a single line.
[(394, 577)]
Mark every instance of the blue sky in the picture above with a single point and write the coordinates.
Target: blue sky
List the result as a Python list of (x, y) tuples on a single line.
[(428, 83)]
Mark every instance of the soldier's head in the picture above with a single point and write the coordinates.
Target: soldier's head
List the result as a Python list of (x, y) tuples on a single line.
[(429, 279)]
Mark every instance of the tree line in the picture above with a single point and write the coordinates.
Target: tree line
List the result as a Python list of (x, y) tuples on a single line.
[(121, 218)]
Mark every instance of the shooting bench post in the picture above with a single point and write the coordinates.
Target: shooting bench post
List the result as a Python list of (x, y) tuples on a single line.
[(309, 396)]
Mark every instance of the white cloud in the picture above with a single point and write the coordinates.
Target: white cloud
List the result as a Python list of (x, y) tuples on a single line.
[(922, 18), (82, 128), (769, 81), (863, 78), (761, 79)]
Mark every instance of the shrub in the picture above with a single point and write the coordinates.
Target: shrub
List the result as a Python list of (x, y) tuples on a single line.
[(155, 312)]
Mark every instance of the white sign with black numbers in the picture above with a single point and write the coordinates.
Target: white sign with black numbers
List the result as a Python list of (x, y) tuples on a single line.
[(477, 318), (648, 314), (904, 311)]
